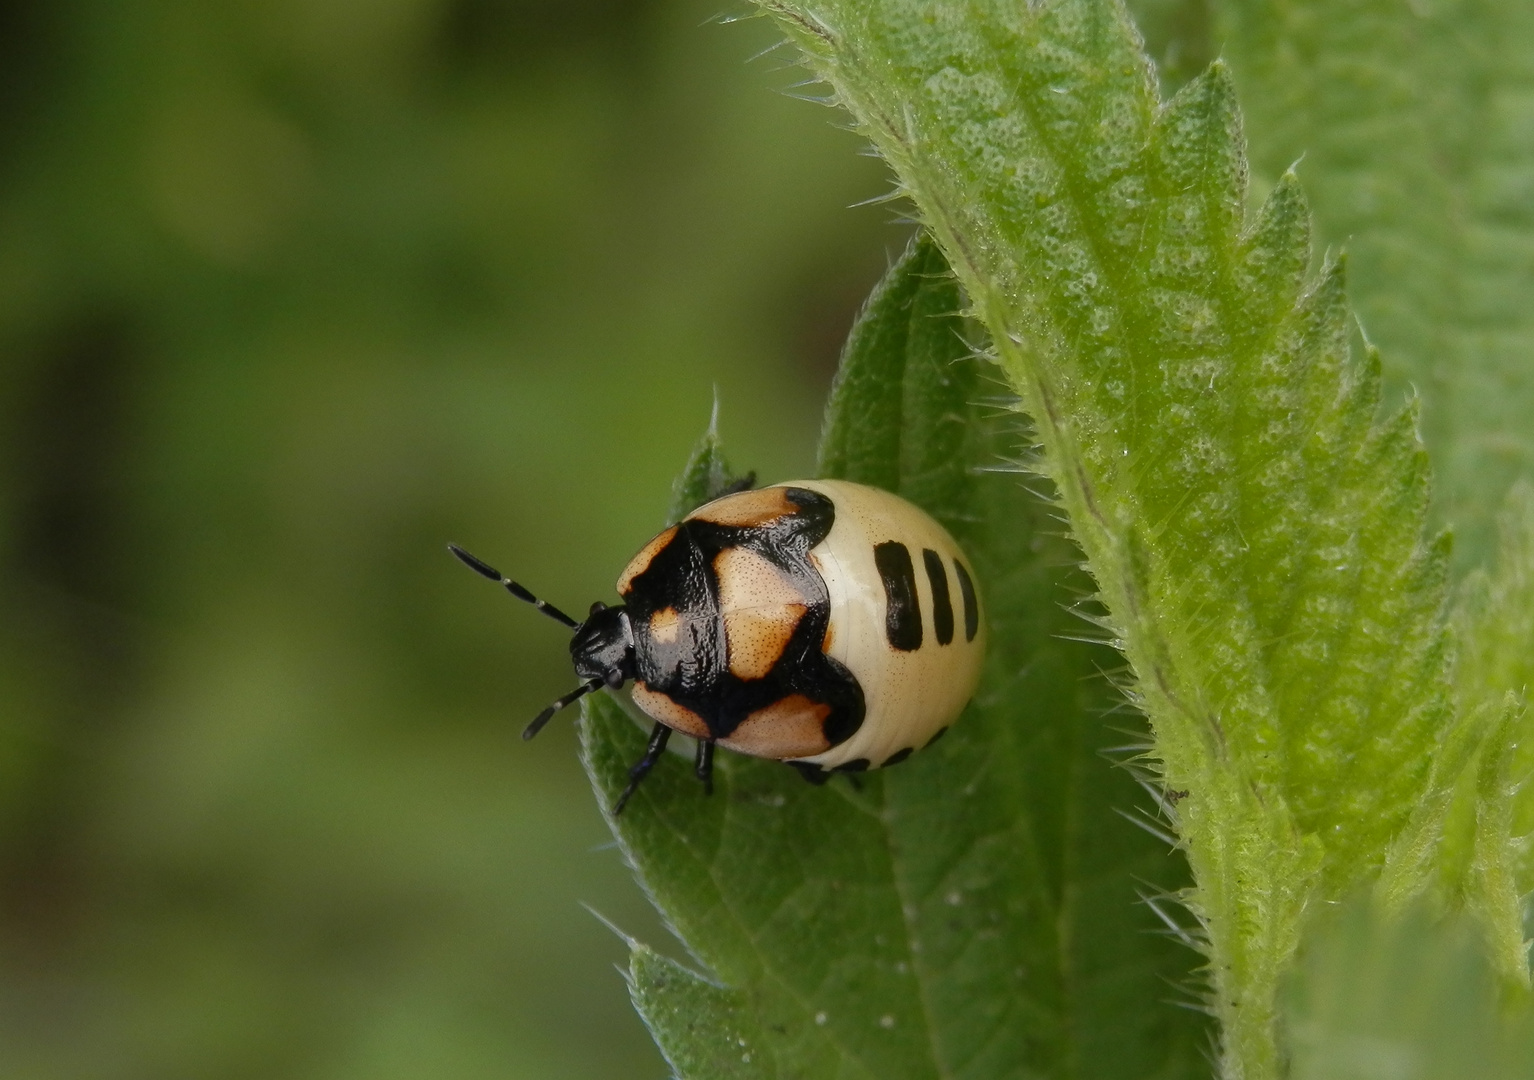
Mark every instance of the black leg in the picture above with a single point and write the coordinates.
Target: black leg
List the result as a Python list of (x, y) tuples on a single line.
[(704, 765), (642, 767), (813, 773), (850, 769)]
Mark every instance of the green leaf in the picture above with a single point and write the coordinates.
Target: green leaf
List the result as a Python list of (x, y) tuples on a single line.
[(1413, 121), (1255, 532), (705, 1030), (1403, 999), (706, 475), (974, 912), (902, 410), (1496, 617), (1492, 866)]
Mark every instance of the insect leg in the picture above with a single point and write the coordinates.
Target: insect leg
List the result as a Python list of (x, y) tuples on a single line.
[(642, 767), (703, 767), (812, 773)]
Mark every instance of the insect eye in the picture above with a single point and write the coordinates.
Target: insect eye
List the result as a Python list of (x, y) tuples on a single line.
[(598, 606)]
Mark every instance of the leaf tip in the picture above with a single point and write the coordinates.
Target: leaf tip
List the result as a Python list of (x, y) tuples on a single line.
[(1331, 288), (1289, 190), (1211, 91), (1220, 79)]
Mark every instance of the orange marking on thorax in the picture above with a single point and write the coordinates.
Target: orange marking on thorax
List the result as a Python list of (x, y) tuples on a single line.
[(747, 508), (761, 606), (664, 625)]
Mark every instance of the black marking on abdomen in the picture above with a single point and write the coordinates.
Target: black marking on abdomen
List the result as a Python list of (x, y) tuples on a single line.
[(902, 614), (942, 609), (898, 756), (971, 608)]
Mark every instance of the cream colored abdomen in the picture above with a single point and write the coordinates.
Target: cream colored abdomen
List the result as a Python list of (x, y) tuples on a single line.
[(910, 695)]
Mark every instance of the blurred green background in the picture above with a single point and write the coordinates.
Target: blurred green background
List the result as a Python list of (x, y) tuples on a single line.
[(291, 293)]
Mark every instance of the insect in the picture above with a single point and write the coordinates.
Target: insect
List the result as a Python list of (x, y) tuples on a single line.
[(829, 625)]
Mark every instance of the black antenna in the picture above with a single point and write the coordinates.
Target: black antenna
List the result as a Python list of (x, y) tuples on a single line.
[(548, 714), (484, 569)]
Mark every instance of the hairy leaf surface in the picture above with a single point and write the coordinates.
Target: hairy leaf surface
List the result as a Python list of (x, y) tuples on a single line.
[(1253, 526), (704, 1029), (1415, 122)]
